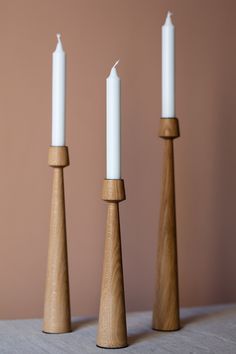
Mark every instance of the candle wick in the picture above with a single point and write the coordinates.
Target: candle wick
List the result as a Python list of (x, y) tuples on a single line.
[(58, 37), (116, 64), (168, 21)]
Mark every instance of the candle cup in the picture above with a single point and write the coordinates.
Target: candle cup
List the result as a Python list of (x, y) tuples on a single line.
[(166, 303), (112, 332), (57, 299)]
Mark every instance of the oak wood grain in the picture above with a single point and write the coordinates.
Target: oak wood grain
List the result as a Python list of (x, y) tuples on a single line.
[(113, 190), (112, 332), (57, 317), (169, 128), (166, 301)]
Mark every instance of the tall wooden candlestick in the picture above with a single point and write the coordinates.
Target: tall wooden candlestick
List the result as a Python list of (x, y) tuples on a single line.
[(57, 300), (112, 332), (166, 303)]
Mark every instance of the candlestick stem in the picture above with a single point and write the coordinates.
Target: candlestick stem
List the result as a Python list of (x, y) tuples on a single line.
[(112, 332), (166, 304), (57, 299)]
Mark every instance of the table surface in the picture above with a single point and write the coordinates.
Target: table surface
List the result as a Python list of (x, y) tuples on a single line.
[(209, 329)]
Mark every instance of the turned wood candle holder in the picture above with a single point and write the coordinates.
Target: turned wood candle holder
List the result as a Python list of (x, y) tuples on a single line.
[(166, 303), (112, 332), (57, 299)]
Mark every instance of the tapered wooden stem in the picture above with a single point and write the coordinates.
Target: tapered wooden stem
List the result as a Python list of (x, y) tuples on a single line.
[(112, 332), (57, 299), (166, 303)]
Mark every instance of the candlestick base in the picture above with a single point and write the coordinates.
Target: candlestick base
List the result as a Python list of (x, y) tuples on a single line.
[(57, 300), (166, 303), (112, 332)]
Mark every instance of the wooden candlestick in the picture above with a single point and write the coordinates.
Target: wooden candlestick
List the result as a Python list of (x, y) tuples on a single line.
[(166, 303), (57, 299), (112, 332)]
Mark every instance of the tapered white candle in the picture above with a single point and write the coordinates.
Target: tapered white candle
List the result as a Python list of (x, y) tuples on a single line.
[(168, 68), (113, 125), (58, 94)]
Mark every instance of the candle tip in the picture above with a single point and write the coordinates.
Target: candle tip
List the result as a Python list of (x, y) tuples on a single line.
[(113, 69), (59, 42), (59, 37), (168, 18), (116, 63)]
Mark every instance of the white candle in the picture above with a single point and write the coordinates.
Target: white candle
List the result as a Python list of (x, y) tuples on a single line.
[(168, 68), (58, 94), (113, 125)]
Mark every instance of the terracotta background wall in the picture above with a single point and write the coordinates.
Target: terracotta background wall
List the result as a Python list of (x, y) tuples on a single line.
[(95, 35)]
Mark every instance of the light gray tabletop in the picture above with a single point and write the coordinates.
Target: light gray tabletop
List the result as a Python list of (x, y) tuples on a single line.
[(204, 330)]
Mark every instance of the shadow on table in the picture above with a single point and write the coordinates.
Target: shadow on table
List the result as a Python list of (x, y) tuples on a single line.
[(142, 336), (78, 323), (212, 314)]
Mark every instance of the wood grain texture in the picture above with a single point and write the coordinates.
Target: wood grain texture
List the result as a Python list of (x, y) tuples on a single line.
[(166, 302), (57, 317), (113, 190), (169, 128), (112, 332), (58, 156)]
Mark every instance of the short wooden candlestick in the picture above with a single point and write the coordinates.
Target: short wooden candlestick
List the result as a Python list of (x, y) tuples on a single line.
[(112, 332), (166, 303), (57, 299)]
